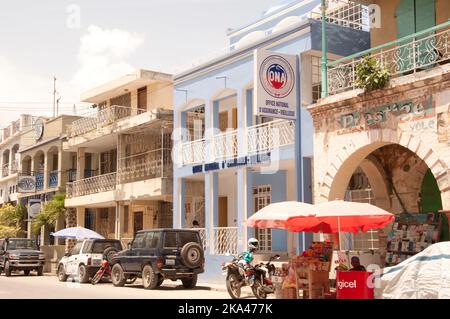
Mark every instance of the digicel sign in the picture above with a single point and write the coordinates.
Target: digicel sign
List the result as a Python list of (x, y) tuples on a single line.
[(347, 284)]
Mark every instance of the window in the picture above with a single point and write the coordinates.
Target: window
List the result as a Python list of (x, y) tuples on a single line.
[(76, 250), (152, 239), (262, 198), (187, 237), (100, 246), (138, 241), (316, 78), (22, 244), (170, 240), (122, 100), (108, 162)]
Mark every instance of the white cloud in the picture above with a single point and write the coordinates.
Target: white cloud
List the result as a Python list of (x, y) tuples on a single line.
[(104, 55)]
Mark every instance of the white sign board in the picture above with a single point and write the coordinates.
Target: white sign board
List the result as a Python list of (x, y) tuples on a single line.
[(275, 76), (34, 207), (26, 184)]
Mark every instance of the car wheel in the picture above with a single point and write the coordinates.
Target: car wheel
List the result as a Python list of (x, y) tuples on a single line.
[(40, 271), (62, 273), (190, 282), (149, 278), (109, 253), (117, 277), (26, 272), (7, 269), (192, 255), (83, 275)]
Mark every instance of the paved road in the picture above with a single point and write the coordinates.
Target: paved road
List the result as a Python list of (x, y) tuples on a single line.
[(48, 287)]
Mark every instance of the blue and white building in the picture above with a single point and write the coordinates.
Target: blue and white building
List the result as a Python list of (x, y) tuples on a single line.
[(229, 163)]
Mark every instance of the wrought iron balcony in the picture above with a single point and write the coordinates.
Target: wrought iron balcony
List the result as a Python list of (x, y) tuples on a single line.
[(92, 185), (414, 53), (260, 138), (148, 165), (14, 166), (39, 181), (53, 179), (102, 118), (5, 170)]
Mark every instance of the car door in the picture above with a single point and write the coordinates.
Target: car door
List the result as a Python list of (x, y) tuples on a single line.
[(132, 262), (72, 262)]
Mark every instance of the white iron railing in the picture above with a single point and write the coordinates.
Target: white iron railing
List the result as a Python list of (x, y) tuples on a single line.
[(101, 119), (413, 53), (5, 170), (92, 185), (152, 164), (225, 240), (260, 138), (14, 166)]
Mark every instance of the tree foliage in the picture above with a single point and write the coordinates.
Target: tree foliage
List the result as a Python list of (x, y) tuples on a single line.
[(12, 220), (50, 213), (371, 75)]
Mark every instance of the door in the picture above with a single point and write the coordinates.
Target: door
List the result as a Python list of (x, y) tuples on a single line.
[(132, 261), (72, 262), (234, 118), (142, 98), (138, 222), (261, 198), (223, 211)]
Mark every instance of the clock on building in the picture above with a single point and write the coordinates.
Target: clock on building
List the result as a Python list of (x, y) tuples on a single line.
[(38, 129)]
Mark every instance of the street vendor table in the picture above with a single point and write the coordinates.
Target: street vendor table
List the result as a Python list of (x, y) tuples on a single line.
[(354, 285)]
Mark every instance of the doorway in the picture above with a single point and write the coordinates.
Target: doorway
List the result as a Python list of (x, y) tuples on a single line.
[(138, 223), (223, 211)]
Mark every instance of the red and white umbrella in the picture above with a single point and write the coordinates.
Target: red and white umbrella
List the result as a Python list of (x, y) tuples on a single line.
[(275, 215), (341, 216)]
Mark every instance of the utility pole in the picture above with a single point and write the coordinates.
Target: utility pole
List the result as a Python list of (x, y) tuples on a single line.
[(74, 110), (54, 95), (324, 50), (57, 106)]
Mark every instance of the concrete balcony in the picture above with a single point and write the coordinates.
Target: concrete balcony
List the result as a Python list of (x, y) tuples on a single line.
[(260, 138), (414, 53), (92, 185)]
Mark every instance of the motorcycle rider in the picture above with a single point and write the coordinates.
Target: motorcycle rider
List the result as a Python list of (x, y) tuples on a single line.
[(247, 258)]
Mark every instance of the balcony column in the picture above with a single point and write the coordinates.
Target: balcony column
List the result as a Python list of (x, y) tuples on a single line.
[(46, 170), (80, 216), (242, 124), (81, 162), (62, 157), (244, 205), (211, 208), (11, 158)]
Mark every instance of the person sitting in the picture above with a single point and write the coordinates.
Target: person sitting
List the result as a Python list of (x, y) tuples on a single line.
[(356, 264), (195, 224)]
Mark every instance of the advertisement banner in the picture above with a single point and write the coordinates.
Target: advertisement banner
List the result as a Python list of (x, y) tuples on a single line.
[(275, 93), (26, 184)]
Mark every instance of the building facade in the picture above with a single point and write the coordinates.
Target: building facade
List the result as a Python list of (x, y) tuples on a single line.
[(121, 168), (390, 147), (228, 162), (10, 157)]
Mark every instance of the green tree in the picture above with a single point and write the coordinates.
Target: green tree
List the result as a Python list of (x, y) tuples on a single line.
[(50, 213), (371, 75), (12, 220)]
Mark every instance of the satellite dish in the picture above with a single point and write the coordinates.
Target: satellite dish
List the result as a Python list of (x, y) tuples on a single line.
[(34, 209)]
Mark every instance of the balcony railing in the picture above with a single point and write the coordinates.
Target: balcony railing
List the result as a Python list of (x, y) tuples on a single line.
[(53, 179), (39, 181), (5, 170), (14, 166), (225, 240), (260, 138), (101, 119), (148, 165), (92, 185), (416, 52)]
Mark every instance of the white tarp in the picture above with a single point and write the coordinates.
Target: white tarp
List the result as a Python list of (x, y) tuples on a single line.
[(423, 276)]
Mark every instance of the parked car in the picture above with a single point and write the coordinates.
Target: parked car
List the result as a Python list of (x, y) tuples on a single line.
[(20, 254), (158, 254), (85, 258)]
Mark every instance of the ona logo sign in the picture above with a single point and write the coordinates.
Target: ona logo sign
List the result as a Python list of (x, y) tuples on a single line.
[(277, 76), (347, 284)]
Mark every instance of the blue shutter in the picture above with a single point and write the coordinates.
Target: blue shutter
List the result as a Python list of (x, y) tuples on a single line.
[(425, 19), (405, 26)]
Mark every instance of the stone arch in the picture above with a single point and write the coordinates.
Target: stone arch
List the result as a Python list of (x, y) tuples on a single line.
[(26, 165), (192, 103), (347, 160)]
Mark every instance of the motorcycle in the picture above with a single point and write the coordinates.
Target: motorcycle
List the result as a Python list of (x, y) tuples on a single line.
[(104, 270), (258, 278)]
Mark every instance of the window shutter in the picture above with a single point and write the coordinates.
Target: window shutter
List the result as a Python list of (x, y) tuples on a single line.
[(425, 14), (405, 18)]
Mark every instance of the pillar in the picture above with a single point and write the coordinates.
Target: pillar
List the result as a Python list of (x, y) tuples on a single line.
[(179, 196), (211, 208), (80, 215), (244, 206), (81, 162), (119, 220), (11, 159), (46, 170)]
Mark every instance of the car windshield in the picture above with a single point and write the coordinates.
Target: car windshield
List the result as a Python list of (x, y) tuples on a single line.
[(187, 237), (22, 244), (100, 246)]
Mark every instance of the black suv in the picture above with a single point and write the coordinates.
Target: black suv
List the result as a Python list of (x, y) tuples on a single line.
[(158, 254), (20, 254)]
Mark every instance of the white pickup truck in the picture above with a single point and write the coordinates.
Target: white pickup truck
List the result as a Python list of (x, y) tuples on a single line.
[(85, 258)]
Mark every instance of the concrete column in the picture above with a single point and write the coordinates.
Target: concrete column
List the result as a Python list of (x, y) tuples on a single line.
[(119, 220), (244, 205), (179, 197), (63, 164), (242, 123), (81, 162), (46, 170), (211, 208), (11, 158), (80, 215)]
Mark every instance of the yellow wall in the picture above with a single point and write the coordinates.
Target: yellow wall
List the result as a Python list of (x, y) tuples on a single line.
[(388, 30), (160, 96)]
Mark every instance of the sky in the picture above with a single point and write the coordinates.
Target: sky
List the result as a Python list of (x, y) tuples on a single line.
[(86, 43)]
